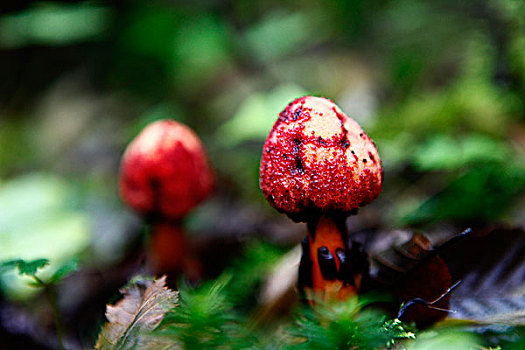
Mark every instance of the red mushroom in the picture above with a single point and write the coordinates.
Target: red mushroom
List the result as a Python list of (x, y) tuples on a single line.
[(164, 174), (319, 166)]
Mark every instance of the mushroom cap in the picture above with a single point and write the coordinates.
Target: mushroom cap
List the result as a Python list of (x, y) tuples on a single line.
[(165, 171), (318, 160)]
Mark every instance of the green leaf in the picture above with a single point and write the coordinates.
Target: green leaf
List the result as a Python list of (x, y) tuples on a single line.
[(70, 267), (28, 268)]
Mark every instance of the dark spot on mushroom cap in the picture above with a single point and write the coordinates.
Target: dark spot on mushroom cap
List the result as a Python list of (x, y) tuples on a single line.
[(298, 169), (372, 158), (297, 113)]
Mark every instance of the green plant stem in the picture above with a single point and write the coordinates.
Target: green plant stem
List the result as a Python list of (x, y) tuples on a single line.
[(52, 300)]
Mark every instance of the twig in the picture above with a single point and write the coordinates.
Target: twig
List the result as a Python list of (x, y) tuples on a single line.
[(427, 304)]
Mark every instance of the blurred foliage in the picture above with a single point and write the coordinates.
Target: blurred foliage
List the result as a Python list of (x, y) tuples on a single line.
[(447, 86), (344, 325), (478, 196), (445, 339), (251, 121), (38, 220), (53, 24), (214, 314), (205, 318), (250, 271)]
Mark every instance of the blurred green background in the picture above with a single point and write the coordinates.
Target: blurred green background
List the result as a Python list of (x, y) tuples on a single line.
[(438, 85)]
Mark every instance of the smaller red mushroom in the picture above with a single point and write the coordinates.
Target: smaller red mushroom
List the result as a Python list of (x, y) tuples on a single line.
[(319, 166), (164, 174)]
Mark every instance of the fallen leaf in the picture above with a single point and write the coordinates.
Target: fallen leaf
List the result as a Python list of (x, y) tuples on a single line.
[(413, 271), (140, 311), (490, 266), (492, 270)]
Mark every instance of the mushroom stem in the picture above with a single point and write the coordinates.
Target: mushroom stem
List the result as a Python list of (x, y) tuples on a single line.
[(328, 252), (168, 246), (170, 252)]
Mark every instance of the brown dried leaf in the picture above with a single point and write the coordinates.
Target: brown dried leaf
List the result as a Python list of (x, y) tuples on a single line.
[(489, 263), (492, 269), (412, 270), (140, 311)]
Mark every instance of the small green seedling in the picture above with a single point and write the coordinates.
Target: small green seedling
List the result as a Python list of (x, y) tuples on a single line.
[(48, 285)]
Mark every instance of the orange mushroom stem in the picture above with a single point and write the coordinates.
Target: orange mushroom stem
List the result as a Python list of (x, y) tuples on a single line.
[(327, 243), (169, 251)]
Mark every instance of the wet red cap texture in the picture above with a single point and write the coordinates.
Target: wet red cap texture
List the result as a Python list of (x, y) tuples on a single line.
[(318, 160), (165, 171)]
